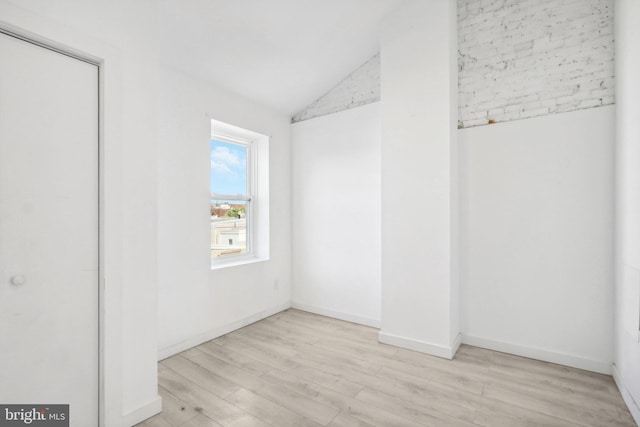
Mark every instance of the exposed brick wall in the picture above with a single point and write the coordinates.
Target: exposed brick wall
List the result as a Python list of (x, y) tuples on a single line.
[(516, 59), (359, 88), (526, 58)]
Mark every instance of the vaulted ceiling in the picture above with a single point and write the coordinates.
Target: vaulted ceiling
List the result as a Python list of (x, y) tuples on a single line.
[(280, 53)]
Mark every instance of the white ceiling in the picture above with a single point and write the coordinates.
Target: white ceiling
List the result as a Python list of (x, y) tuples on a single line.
[(281, 53)]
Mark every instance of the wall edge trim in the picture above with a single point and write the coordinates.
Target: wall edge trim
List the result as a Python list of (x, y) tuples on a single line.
[(143, 412), (626, 394), (445, 352), (536, 353), (347, 317), (174, 349)]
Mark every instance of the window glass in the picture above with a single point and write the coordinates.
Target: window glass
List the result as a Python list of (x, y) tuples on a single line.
[(230, 198)]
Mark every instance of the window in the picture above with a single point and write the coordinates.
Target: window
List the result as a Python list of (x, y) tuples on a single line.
[(239, 204), (230, 197)]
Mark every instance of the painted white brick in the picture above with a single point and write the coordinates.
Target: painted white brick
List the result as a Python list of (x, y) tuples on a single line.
[(360, 88), (590, 103), (496, 112), (517, 59), (524, 58), (607, 100), (477, 122), (566, 99)]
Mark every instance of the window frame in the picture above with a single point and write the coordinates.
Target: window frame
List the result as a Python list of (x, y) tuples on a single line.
[(256, 193)]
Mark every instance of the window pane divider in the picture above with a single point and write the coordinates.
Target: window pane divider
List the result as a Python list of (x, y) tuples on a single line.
[(237, 197)]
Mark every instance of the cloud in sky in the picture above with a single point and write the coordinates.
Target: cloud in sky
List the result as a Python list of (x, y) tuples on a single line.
[(228, 168), (226, 161), (220, 168)]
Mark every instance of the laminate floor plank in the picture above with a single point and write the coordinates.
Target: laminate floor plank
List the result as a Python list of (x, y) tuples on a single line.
[(350, 351), (284, 329), (597, 390), (278, 394), (309, 331), (267, 337), (263, 345), (430, 394), (175, 411), (254, 350), (201, 376), (214, 407), (269, 411), (460, 363), (200, 421), (495, 413), (236, 358), (344, 420), (377, 416), (351, 409), (232, 373), (356, 376), (290, 327), (423, 414), (331, 381), (322, 355), (156, 421), (357, 347), (328, 322), (625, 417), (551, 406), (332, 327), (298, 369), (310, 389), (300, 404), (557, 372), (590, 398), (466, 381)]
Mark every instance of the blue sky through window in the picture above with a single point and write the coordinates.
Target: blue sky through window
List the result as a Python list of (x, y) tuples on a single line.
[(228, 168)]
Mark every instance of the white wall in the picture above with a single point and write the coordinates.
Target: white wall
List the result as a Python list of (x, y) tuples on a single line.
[(336, 214), (126, 42), (419, 80), (196, 303), (627, 302), (536, 237)]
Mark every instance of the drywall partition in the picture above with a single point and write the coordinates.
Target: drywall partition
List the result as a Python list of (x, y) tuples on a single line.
[(627, 297), (418, 92), (336, 215), (197, 303), (122, 35), (536, 228)]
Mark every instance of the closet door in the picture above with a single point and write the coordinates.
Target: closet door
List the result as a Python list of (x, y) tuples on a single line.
[(49, 230)]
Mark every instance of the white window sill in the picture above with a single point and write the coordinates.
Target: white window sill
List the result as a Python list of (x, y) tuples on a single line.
[(217, 263)]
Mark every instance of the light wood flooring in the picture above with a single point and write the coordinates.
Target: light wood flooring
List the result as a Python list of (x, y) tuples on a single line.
[(297, 369)]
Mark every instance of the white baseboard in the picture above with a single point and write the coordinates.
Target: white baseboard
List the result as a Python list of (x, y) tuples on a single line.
[(353, 318), (421, 346), (174, 349), (540, 354), (142, 413), (626, 395)]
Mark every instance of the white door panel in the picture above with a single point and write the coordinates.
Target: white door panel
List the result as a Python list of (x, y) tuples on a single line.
[(48, 230)]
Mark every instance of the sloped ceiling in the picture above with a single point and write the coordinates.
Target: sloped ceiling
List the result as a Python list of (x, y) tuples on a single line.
[(284, 54)]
